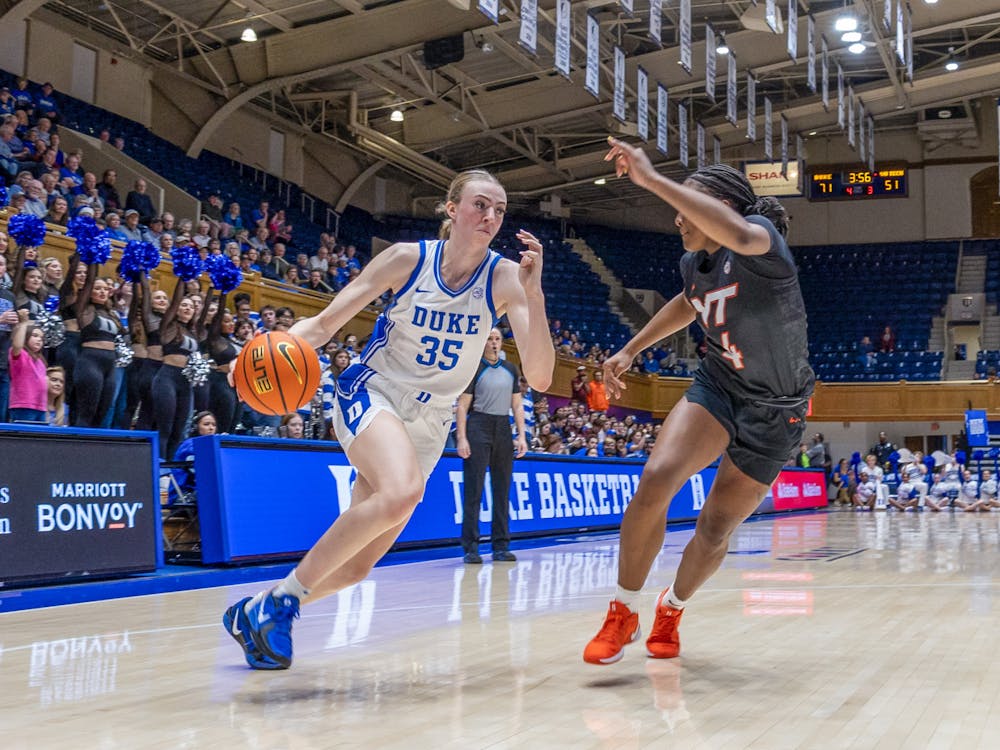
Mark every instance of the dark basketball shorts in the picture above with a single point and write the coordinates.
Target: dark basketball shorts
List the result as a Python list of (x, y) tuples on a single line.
[(762, 436)]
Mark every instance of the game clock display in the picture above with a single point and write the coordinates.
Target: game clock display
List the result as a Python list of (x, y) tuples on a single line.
[(888, 182)]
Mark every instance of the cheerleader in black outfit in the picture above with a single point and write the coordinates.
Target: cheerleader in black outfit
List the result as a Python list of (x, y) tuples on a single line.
[(95, 367), (219, 347), (152, 305), (69, 350), (28, 287), (171, 391)]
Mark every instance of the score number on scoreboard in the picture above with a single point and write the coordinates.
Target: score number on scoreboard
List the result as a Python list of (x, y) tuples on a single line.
[(890, 182)]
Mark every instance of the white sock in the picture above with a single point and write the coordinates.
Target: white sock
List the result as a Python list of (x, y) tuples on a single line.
[(291, 586), (672, 600), (627, 597)]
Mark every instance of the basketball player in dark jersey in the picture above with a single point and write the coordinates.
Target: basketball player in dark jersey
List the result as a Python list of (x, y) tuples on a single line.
[(748, 399)]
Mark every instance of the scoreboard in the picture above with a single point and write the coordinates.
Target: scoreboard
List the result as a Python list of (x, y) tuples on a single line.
[(887, 182)]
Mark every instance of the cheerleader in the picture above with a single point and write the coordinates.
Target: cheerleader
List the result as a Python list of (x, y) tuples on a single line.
[(94, 375), (28, 287), (170, 391), (69, 350), (219, 347), (153, 306)]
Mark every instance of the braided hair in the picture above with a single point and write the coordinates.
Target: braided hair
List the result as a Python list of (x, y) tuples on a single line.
[(726, 183)]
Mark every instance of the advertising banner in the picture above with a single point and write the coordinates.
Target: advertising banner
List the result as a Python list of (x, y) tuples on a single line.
[(243, 483), (76, 504)]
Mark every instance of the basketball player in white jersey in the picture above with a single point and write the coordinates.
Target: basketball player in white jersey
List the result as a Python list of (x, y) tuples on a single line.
[(394, 407)]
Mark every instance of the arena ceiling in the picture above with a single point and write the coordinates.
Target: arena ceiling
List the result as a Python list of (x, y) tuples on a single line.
[(338, 69)]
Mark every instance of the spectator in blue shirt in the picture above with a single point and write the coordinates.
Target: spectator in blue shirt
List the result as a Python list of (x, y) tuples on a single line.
[(70, 176), (261, 216), (114, 227), (46, 103), (23, 99), (6, 102), (650, 364)]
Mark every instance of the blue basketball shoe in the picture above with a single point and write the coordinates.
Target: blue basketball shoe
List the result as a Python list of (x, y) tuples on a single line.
[(269, 625), (235, 621)]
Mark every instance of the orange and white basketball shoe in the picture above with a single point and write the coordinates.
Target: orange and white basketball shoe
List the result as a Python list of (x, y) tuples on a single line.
[(664, 641), (620, 628)]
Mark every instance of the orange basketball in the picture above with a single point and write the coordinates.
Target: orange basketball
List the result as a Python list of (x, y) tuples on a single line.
[(276, 373)]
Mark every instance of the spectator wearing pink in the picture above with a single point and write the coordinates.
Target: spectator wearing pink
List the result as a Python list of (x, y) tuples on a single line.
[(28, 383), (279, 230)]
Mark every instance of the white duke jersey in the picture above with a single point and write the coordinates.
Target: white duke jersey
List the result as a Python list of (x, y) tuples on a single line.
[(430, 339)]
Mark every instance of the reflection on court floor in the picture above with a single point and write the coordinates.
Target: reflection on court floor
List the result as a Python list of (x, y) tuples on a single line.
[(821, 630)]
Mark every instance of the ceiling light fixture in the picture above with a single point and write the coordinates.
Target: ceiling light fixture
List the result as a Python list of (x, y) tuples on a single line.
[(722, 48), (397, 114), (248, 35), (952, 64), (857, 48), (846, 23), (601, 181), (851, 36)]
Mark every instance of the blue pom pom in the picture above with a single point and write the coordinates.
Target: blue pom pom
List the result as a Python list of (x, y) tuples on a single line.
[(856, 457), (993, 453), (225, 275), (960, 457), (92, 245), (131, 266), (26, 230), (150, 256), (977, 455), (3, 196), (894, 456), (187, 264)]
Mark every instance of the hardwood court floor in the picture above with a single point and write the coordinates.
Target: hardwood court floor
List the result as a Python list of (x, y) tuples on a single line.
[(826, 630)]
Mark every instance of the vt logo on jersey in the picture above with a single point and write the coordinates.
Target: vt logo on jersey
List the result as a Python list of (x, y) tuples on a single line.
[(712, 310)]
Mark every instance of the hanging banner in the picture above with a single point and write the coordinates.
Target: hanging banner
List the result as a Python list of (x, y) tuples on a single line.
[(784, 147), (682, 132), (909, 43), (627, 6), (768, 130), (825, 73), (900, 34), (685, 25), (732, 90), (564, 12), (661, 118), (751, 108), (887, 16), (656, 21), (811, 51), (793, 29), (592, 82), (710, 62), (799, 168), (700, 130), (490, 9), (618, 107), (642, 108), (840, 96), (528, 34), (771, 14), (716, 150), (862, 141), (871, 144), (850, 116)]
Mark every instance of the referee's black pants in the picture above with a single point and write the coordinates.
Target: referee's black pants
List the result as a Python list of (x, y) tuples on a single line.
[(491, 446)]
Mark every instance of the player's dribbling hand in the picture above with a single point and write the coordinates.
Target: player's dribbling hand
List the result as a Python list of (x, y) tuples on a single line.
[(529, 271), (614, 367), (630, 161)]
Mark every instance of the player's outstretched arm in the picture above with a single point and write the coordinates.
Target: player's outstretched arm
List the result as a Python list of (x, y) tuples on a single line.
[(519, 294), (669, 319), (714, 217), (390, 269)]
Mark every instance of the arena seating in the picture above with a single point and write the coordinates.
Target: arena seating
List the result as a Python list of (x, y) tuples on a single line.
[(850, 291)]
